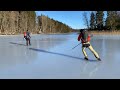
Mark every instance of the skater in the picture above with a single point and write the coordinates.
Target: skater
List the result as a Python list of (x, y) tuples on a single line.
[(85, 39), (27, 37)]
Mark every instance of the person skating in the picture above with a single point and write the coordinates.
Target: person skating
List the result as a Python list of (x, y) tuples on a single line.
[(28, 38), (85, 40)]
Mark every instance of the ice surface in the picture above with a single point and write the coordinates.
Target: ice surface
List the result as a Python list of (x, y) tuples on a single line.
[(52, 57)]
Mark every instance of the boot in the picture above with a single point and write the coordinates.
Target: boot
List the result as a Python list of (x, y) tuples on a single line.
[(99, 59), (86, 58)]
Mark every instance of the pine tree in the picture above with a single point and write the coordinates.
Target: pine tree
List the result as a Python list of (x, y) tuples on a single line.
[(118, 21), (99, 19), (92, 21), (111, 20)]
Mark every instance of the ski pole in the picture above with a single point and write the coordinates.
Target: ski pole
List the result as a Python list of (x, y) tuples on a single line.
[(76, 46)]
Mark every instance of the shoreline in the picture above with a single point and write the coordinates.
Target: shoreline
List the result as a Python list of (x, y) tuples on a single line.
[(33, 34), (91, 32), (105, 32)]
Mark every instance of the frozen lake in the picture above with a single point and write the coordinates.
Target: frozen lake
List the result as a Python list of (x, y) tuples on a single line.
[(52, 57)]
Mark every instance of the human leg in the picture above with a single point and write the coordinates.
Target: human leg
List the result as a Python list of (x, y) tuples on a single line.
[(84, 52), (94, 52)]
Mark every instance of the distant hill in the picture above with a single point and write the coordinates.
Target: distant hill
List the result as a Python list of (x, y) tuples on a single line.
[(16, 22), (49, 25)]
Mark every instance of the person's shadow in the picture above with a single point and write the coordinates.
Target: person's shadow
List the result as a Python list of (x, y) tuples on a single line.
[(17, 43), (44, 51)]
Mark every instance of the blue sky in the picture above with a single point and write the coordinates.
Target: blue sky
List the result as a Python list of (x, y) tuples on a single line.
[(73, 19)]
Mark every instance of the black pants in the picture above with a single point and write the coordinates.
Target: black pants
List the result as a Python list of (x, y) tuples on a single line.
[(28, 41), (86, 45)]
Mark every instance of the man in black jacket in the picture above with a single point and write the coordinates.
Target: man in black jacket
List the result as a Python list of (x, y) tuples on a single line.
[(28, 38)]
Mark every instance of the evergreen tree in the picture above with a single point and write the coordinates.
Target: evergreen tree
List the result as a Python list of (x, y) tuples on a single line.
[(92, 21), (111, 20), (118, 21), (99, 19)]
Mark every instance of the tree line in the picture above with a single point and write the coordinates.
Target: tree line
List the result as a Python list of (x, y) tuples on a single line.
[(98, 22), (16, 22), (49, 25)]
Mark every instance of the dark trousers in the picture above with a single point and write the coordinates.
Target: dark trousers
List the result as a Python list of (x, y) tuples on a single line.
[(28, 41)]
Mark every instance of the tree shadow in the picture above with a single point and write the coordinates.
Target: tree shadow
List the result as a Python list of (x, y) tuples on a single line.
[(17, 43), (39, 50)]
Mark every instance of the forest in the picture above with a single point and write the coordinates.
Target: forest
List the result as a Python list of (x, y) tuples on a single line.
[(98, 22), (16, 22), (49, 25)]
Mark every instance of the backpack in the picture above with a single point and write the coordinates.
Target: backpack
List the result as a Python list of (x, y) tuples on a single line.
[(27, 35), (85, 36), (24, 33)]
